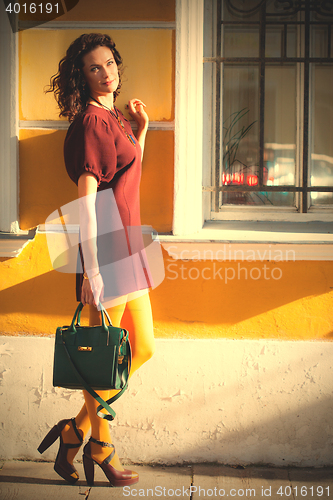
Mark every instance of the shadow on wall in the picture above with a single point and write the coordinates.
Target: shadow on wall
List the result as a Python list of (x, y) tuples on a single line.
[(50, 294), (226, 292), (45, 185), (184, 303), (301, 438)]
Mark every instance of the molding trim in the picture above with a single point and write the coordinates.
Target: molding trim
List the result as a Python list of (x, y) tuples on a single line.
[(257, 241), (11, 245), (221, 251), (189, 117), (114, 25), (63, 125), (8, 128), (44, 124), (325, 215), (59, 228)]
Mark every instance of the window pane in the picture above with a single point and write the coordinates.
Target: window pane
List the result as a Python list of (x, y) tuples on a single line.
[(281, 11), (236, 10), (256, 198), (319, 41), (322, 12), (321, 154), (291, 41), (240, 126), (280, 129), (209, 42), (240, 41), (273, 41)]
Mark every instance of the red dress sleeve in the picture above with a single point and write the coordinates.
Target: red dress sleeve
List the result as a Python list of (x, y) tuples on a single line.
[(90, 147)]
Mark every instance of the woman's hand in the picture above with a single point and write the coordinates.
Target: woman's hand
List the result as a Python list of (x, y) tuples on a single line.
[(136, 110), (92, 290)]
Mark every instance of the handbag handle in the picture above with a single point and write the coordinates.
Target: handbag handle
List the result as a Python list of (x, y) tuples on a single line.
[(77, 314)]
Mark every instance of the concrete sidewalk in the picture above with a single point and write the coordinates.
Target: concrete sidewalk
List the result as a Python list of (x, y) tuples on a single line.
[(37, 480)]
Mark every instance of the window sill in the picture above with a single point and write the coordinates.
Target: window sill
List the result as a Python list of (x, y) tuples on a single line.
[(231, 241), (12, 244)]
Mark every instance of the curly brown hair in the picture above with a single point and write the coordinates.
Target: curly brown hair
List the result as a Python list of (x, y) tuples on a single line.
[(69, 84)]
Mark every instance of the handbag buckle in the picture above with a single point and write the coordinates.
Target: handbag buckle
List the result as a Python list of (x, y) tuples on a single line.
[(84, 348), (120, 356)]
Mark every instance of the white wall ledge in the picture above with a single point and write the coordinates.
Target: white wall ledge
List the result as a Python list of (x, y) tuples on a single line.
[(11, 245), (63, 125), (238, 240)]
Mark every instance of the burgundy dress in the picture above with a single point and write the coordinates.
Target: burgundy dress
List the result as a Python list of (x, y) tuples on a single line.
[(96, 143)]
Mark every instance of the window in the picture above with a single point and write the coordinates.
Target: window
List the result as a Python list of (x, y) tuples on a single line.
[(268, 106)]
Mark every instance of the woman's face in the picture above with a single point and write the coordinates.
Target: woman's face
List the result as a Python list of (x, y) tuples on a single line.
[(100, 71)]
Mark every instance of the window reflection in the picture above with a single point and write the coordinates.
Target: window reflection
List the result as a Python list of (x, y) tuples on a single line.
[(321, 146)]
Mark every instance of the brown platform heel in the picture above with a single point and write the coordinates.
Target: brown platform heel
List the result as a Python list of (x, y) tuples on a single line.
[(62, 467), (116, 477)]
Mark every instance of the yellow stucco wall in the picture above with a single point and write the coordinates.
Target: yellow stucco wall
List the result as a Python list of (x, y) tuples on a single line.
[(237, 299), (45, 185), (148, 65), (34, 298)]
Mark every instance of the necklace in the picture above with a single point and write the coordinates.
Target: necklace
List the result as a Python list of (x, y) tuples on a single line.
[(115, 114)]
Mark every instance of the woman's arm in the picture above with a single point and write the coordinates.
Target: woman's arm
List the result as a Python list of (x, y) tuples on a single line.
[(137, 112), (92, 288)]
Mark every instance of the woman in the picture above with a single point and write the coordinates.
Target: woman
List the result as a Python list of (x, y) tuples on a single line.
[(101, 153)]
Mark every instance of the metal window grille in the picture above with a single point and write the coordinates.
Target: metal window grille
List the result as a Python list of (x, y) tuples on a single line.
[(284, 14)]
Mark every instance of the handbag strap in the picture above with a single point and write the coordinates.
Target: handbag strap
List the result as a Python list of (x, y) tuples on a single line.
[(102, 403)]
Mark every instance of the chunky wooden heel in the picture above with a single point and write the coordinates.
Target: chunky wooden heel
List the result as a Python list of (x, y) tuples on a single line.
[(88, 465), (50, 438), (115, 477), (62, 467)]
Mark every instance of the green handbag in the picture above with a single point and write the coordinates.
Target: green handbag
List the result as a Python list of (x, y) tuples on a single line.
[(92, 357)]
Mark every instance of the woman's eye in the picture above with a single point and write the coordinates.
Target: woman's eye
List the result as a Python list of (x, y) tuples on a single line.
[(110, 62), (94, 69)]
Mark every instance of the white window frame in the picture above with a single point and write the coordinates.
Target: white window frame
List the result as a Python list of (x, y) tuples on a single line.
[(260, 213), (12, 239), (188, 215), (8, 127)]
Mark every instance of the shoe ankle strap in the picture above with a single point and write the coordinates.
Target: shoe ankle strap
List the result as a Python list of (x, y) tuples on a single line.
[(101, 443), (76, 430)]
